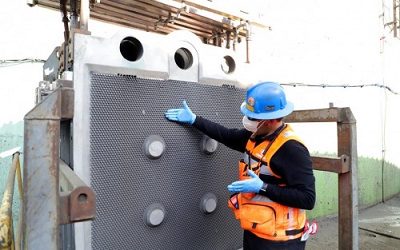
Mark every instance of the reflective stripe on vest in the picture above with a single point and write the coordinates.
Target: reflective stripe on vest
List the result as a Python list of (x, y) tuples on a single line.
[(257, 213)]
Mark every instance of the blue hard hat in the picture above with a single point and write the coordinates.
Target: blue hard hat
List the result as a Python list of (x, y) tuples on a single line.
[(265, 101)]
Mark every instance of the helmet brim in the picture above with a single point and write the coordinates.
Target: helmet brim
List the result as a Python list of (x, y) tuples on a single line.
[(270, 115)]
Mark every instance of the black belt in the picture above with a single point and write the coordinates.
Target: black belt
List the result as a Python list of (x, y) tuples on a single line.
[(294, 231)]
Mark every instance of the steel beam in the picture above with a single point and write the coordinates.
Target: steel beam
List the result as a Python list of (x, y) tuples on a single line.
[(331, 164), (348, 189), (314, 115), (41, 174)]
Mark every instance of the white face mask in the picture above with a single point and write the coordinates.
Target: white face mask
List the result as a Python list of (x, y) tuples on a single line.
[(250, 125)]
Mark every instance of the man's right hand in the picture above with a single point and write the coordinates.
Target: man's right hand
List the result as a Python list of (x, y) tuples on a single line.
[(182, 115)]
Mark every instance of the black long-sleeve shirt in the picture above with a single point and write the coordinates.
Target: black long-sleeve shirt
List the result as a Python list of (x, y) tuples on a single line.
[(292, 162)]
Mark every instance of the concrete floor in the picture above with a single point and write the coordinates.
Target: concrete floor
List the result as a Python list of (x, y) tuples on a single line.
[(379, 228)]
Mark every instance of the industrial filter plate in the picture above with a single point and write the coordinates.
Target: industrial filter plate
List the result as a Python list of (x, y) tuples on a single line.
[(158, 184)]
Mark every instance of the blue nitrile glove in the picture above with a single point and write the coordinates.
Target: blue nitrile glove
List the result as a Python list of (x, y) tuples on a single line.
[(252, 185), (183, 115)]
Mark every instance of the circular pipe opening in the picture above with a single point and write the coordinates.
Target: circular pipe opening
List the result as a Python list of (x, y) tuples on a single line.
[(131, 49), (183, 58), (228, 65)]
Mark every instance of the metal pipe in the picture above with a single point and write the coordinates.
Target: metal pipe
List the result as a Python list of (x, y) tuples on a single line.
[(216, 37), (247, 27), (63, 8), (84, 16), (248, 40), (74, 14), (234, 40), (228, 39)]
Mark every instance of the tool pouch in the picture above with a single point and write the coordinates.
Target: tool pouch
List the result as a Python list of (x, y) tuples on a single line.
[(258, 218)]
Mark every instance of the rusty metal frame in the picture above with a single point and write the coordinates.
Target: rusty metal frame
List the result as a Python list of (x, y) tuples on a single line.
[(44, 208), (345, 165)]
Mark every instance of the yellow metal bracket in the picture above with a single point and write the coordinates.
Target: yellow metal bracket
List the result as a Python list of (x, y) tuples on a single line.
[(7, 240)]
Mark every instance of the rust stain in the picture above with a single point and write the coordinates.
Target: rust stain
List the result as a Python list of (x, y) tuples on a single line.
[(5, 232)]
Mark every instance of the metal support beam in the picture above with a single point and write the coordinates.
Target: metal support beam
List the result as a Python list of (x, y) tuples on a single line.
[(348, 189), (345, 166), (314, 115), (331, 164), (41, 172)]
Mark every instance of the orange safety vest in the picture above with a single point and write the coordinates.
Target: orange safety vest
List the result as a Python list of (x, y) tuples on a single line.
[(257, 213)]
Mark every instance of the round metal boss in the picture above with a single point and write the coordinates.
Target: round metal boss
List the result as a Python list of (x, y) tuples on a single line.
[(154, 215), (208, 145), (208, 203), (154, 146)]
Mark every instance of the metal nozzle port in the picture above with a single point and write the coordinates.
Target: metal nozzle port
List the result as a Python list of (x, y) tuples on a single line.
[(228, 65), (131, 49), (183, 58)]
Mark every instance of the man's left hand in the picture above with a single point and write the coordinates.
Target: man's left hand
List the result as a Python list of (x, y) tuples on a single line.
[(252, 185)]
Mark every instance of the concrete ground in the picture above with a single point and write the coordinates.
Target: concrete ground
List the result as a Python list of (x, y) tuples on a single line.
[(379, 228)]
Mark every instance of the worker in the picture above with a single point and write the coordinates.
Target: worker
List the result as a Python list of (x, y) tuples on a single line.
[(276, 181)]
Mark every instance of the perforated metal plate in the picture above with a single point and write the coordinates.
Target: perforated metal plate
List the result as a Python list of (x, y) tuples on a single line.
[(124, 111)]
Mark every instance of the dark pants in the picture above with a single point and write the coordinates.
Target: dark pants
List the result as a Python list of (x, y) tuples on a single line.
[(253, 242)]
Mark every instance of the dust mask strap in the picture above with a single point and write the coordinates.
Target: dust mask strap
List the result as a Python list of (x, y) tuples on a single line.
[(251, 126)]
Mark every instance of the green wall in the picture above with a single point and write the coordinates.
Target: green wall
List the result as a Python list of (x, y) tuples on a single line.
[(391, 180), (369, 181), (370, 188), (326, 185), (11, 136)]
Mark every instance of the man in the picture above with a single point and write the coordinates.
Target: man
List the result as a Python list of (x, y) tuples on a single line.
[(276, 178)]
